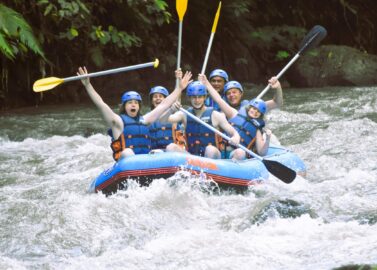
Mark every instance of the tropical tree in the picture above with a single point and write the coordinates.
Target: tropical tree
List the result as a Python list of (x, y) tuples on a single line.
[(16, 35)]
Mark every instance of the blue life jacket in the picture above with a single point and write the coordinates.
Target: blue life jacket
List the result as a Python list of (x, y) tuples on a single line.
[(246, 127), (136, 134), (199, 136), (163, 134), (209, 102), (243, 103)]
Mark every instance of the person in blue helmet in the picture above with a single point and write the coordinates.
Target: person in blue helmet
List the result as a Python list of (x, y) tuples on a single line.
[(248, 121), (163, 133), (202, 141), (233, 92), (217, 78), (129, 130)]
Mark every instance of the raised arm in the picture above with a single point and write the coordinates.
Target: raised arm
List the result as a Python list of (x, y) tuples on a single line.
[(229, 111), (112, 119), (153, 115), (172, 110), (277, 100), (178, 117)]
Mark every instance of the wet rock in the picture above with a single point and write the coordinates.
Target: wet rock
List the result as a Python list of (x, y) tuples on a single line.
[(356, 267), (283, 209), (369, 218), (331, 65)]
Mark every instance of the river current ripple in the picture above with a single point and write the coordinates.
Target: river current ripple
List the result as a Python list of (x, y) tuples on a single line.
[(49, 156)]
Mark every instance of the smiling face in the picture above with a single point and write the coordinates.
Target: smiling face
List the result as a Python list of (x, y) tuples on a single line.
[(253, 112), (234, 96), (132, 107), (218, 83), (197, 102), (157, 98)]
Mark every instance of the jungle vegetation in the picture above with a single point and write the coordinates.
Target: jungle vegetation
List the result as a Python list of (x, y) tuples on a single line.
[(41, 38)]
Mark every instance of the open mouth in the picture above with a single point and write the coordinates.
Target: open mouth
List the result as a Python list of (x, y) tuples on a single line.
[(133, 110)]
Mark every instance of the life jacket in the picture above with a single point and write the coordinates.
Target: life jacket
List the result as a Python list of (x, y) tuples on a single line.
[(246, 127), (242, 104), (199, 136), (209, 102), (163, 134), (135, 136)]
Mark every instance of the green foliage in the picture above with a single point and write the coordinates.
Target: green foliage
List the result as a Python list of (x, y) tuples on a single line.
[(282, 55), (16, 35), (252, 36), (67, 16), (120, 39), (284, 36), (240, 8), (63, 9), (101, 26), (82, 20), (275, 43)]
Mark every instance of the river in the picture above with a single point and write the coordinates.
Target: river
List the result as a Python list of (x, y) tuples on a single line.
[(49, 156)]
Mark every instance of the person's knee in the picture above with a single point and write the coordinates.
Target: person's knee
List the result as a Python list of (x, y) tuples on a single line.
[(212, 152), (238, 154), (172, 147), (127, 153)]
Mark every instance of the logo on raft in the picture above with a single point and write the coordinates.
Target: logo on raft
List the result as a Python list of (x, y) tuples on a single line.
[(202, 164)]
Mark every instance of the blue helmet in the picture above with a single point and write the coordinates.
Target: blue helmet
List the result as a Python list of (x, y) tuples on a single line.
[(232, 84), (196, 89), (130, 95), (159, 89), (219, 72), (259, 104)]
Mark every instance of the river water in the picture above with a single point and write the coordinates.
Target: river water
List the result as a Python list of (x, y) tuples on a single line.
[(49, 156)]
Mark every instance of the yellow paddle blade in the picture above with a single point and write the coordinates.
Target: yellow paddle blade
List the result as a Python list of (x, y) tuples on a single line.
[(216, 19), (46, 84), (181, 6), (156, 63)]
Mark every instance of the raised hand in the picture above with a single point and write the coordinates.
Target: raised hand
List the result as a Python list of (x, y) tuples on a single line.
[(203, 79), (185, 80), (83, 71), (178, 74), (175, 107), (274, 82)]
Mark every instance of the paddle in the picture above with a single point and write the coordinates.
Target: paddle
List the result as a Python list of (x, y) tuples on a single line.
[(181, 6), (312, 39), (51, 82), (211, 38), (277, 169)]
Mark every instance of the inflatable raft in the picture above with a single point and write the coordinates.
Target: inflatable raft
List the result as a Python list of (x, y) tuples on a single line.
[(225, 172)]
